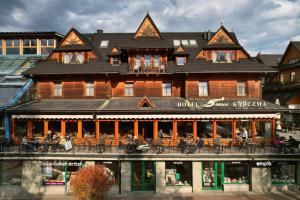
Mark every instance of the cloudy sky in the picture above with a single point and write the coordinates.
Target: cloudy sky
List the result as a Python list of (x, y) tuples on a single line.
[(260, 25)]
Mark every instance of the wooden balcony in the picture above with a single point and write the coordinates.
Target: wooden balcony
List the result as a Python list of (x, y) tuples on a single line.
[(143, 69)]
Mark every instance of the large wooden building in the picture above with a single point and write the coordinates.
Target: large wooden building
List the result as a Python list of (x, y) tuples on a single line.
[(155, 86)]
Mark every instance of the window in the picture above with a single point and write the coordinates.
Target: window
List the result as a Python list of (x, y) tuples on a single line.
[(180, 60), (193, 43), (29, 46), (236, 172), (47, 46), (179, 173), (281, 78), (167, 89), (73, 58), (294, 60), (176, 43), (128, 89), (12, 47), (147, 60), (228, 57), (10, 173), (203, 88), (89, 88), (293, 74), (215, 56), (185, 42), (115, 61), (156, 60), (57, 88), (112, 170), (137, 60), (241, 88), (222, 56), (283, 173), (104, 43)]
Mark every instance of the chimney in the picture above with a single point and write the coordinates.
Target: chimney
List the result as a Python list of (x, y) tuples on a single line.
[(208, 35), (99, 31)]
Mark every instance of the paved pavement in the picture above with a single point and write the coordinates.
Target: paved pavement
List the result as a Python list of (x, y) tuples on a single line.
[(212, 195)]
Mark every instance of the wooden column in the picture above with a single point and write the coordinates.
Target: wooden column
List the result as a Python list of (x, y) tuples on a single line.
[(174, 132), (214, 127), (195, 130), (97, 125), (45, 128), (233, 129), (136, 129), (29, 128), (62, 128), (116, 132), (273, 127), (155, 130), (12, 128), (253, 129), (79, 129)]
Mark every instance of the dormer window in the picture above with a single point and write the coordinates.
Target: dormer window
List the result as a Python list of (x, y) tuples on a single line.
[(104, 44), (73, 58), (180, 60), (115, 61)]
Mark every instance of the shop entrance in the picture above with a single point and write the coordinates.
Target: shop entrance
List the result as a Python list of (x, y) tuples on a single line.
[(213, 175), (143, 176)]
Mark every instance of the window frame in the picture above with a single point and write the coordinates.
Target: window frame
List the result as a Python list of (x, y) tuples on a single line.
[(60, 92), (89, 88), (166, 91), (199, 90), (238, 86), (129, 91), (179, 58), (104, 43)]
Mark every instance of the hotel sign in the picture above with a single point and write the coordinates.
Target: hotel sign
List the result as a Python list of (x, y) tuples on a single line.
[(222, 103)]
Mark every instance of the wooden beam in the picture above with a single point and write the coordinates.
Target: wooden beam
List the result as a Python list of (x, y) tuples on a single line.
[(97, 129), (155, 130), (29, 128), (195, 130), (116, 132), (233, 129), (79, 130), (214, 126), (62, 128), (253, 129), (273, 127), (46, 128), (136, 129), (174, 135)]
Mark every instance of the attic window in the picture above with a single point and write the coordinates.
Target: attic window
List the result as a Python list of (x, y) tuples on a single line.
[(146, 105), (104, 43), (185, 42)]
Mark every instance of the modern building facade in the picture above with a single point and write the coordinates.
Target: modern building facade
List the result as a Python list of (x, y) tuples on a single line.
[(167, 90)]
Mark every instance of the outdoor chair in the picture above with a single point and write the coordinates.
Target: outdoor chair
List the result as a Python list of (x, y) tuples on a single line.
[(182, 146), (218, 148), (100, 146), (193, 148)]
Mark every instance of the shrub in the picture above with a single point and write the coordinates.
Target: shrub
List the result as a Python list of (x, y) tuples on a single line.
[(91, 182)]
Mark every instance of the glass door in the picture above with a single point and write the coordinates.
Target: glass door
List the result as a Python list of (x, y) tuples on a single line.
[(213, 175), (143, 176)]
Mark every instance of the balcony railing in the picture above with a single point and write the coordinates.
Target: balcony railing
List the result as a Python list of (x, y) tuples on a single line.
[(147, 69), (152, 147)]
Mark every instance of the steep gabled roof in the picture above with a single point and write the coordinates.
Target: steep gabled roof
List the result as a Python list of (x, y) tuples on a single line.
[(296, 44), (270, 60), (147, 28)]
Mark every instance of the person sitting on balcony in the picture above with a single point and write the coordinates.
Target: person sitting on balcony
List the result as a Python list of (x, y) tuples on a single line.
[(198, 145), (244, 134), (160, 133)]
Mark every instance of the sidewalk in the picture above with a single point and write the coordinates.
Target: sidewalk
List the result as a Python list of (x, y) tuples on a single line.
[(210, 195)]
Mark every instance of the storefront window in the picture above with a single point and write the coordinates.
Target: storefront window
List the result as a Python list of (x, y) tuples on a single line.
[(57, 172), (178, 173), (283, 173), (205, 129), (111, 169), (20, 128), (263, 129), (224, 129), (236, 172), (37, 128), (243, 125), (10, 173)]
